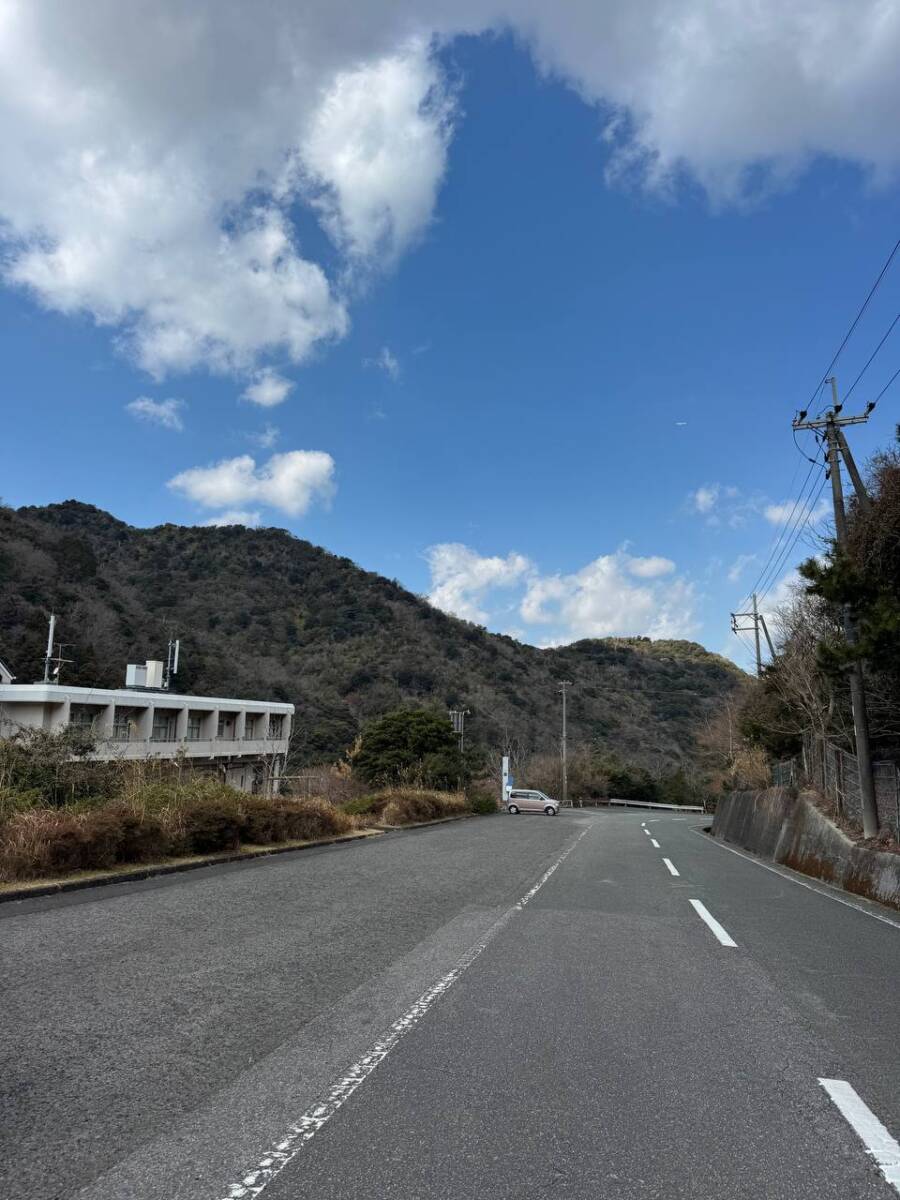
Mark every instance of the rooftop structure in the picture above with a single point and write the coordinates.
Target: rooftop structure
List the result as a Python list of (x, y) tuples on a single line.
[(244, 741)]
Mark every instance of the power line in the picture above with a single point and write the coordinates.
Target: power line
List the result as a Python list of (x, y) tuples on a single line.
[(856, 320), (785, 527), (885, 388), (778, 565), (890, 330)]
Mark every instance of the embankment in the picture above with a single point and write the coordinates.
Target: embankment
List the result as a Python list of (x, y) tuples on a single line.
[(792, 830)]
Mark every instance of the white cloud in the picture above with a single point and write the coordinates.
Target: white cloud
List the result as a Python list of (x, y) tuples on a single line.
[(289, 482), (601, 600), (376, 149), (267, 388), (740, 565), (649, 568), (266, 437), (778, 514), (705, 498), (153, 154), (158, 412), (616, 594), (233, 517), (385, 361), (460, 578)]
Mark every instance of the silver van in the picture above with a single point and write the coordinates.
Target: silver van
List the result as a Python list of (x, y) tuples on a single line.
[(531, 800)]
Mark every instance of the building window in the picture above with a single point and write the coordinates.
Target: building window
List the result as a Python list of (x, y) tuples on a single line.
[(226, 727), (82, 717), (251, 726), (194, 726), (122, 725), (163, 726), (276, 725)]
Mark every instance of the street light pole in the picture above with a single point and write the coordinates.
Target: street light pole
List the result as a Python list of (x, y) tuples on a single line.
[(563, 685)]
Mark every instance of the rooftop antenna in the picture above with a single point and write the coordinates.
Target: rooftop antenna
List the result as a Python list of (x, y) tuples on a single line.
[(172, 661)]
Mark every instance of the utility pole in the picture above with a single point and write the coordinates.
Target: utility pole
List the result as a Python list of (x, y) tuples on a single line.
[(563, 685), (759, 621), (837, 446)]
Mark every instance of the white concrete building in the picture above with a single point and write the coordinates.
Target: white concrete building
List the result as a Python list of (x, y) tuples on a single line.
[(244, 741)]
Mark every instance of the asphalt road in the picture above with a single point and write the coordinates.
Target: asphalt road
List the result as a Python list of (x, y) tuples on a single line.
[(504, 1007)]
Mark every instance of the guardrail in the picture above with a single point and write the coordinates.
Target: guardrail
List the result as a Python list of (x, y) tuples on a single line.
[(653, 804)]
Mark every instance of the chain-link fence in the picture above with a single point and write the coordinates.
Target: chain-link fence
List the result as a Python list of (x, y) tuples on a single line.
[(835, 773)]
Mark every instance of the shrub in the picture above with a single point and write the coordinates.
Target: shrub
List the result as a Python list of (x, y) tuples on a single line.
[(48, 841), (482, 800), (406, 806), (211, 824), (309, 819), (263, 821)]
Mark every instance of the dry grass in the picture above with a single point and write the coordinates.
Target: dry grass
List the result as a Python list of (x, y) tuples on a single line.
[(406, 806), (158, 822)]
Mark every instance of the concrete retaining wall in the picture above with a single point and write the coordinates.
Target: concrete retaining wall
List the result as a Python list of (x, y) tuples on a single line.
[(791, 830)]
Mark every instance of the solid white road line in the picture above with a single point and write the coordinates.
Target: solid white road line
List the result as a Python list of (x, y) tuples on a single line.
[(670, 865), (823, 889), (874, 1136), (308, 1125), (654, 843), (705, 915)]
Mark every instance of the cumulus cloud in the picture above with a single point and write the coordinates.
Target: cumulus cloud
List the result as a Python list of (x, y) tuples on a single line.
[(603, 599), (649, 568), (233, 517), (375, 151), (155, 154), (290, 482), (385, 361), (158, 412), (616, 594), (779, 514), (460, 578), (267, 388)]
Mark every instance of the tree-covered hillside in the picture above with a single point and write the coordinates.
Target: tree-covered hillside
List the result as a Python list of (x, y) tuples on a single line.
[(262, 613)]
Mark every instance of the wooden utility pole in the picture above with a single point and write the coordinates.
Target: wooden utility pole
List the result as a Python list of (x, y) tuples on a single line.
[(837, 446)]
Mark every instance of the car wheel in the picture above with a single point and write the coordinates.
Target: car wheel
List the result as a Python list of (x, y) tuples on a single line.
[(550, 810), (512, 809)]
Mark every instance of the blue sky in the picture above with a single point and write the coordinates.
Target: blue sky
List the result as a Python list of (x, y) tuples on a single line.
[(552, 388)]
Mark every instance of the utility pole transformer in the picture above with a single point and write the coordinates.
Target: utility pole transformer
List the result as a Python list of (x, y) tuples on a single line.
[(837, 447), (563, 686)]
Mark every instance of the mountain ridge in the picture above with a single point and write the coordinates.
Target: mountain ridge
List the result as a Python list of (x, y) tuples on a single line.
[(262, 612)]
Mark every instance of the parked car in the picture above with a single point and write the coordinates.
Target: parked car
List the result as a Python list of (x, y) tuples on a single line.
[(530, 800)]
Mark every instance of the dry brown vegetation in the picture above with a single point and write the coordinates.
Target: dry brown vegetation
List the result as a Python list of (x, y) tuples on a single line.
[(406, 806), (157, 822)]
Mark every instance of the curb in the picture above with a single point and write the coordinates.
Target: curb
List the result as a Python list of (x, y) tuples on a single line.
[(421, 824), (175, 867)]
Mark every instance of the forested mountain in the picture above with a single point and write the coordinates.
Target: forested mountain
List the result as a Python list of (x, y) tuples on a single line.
[(262, 613)]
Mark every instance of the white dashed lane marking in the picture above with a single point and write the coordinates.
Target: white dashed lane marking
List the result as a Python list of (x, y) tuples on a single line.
[(869, 1129), (705, 915)]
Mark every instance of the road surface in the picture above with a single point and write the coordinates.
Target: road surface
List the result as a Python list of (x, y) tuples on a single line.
[(504, 1007)]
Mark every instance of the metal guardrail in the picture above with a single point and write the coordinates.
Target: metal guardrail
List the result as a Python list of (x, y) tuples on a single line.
[(653, 804)]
